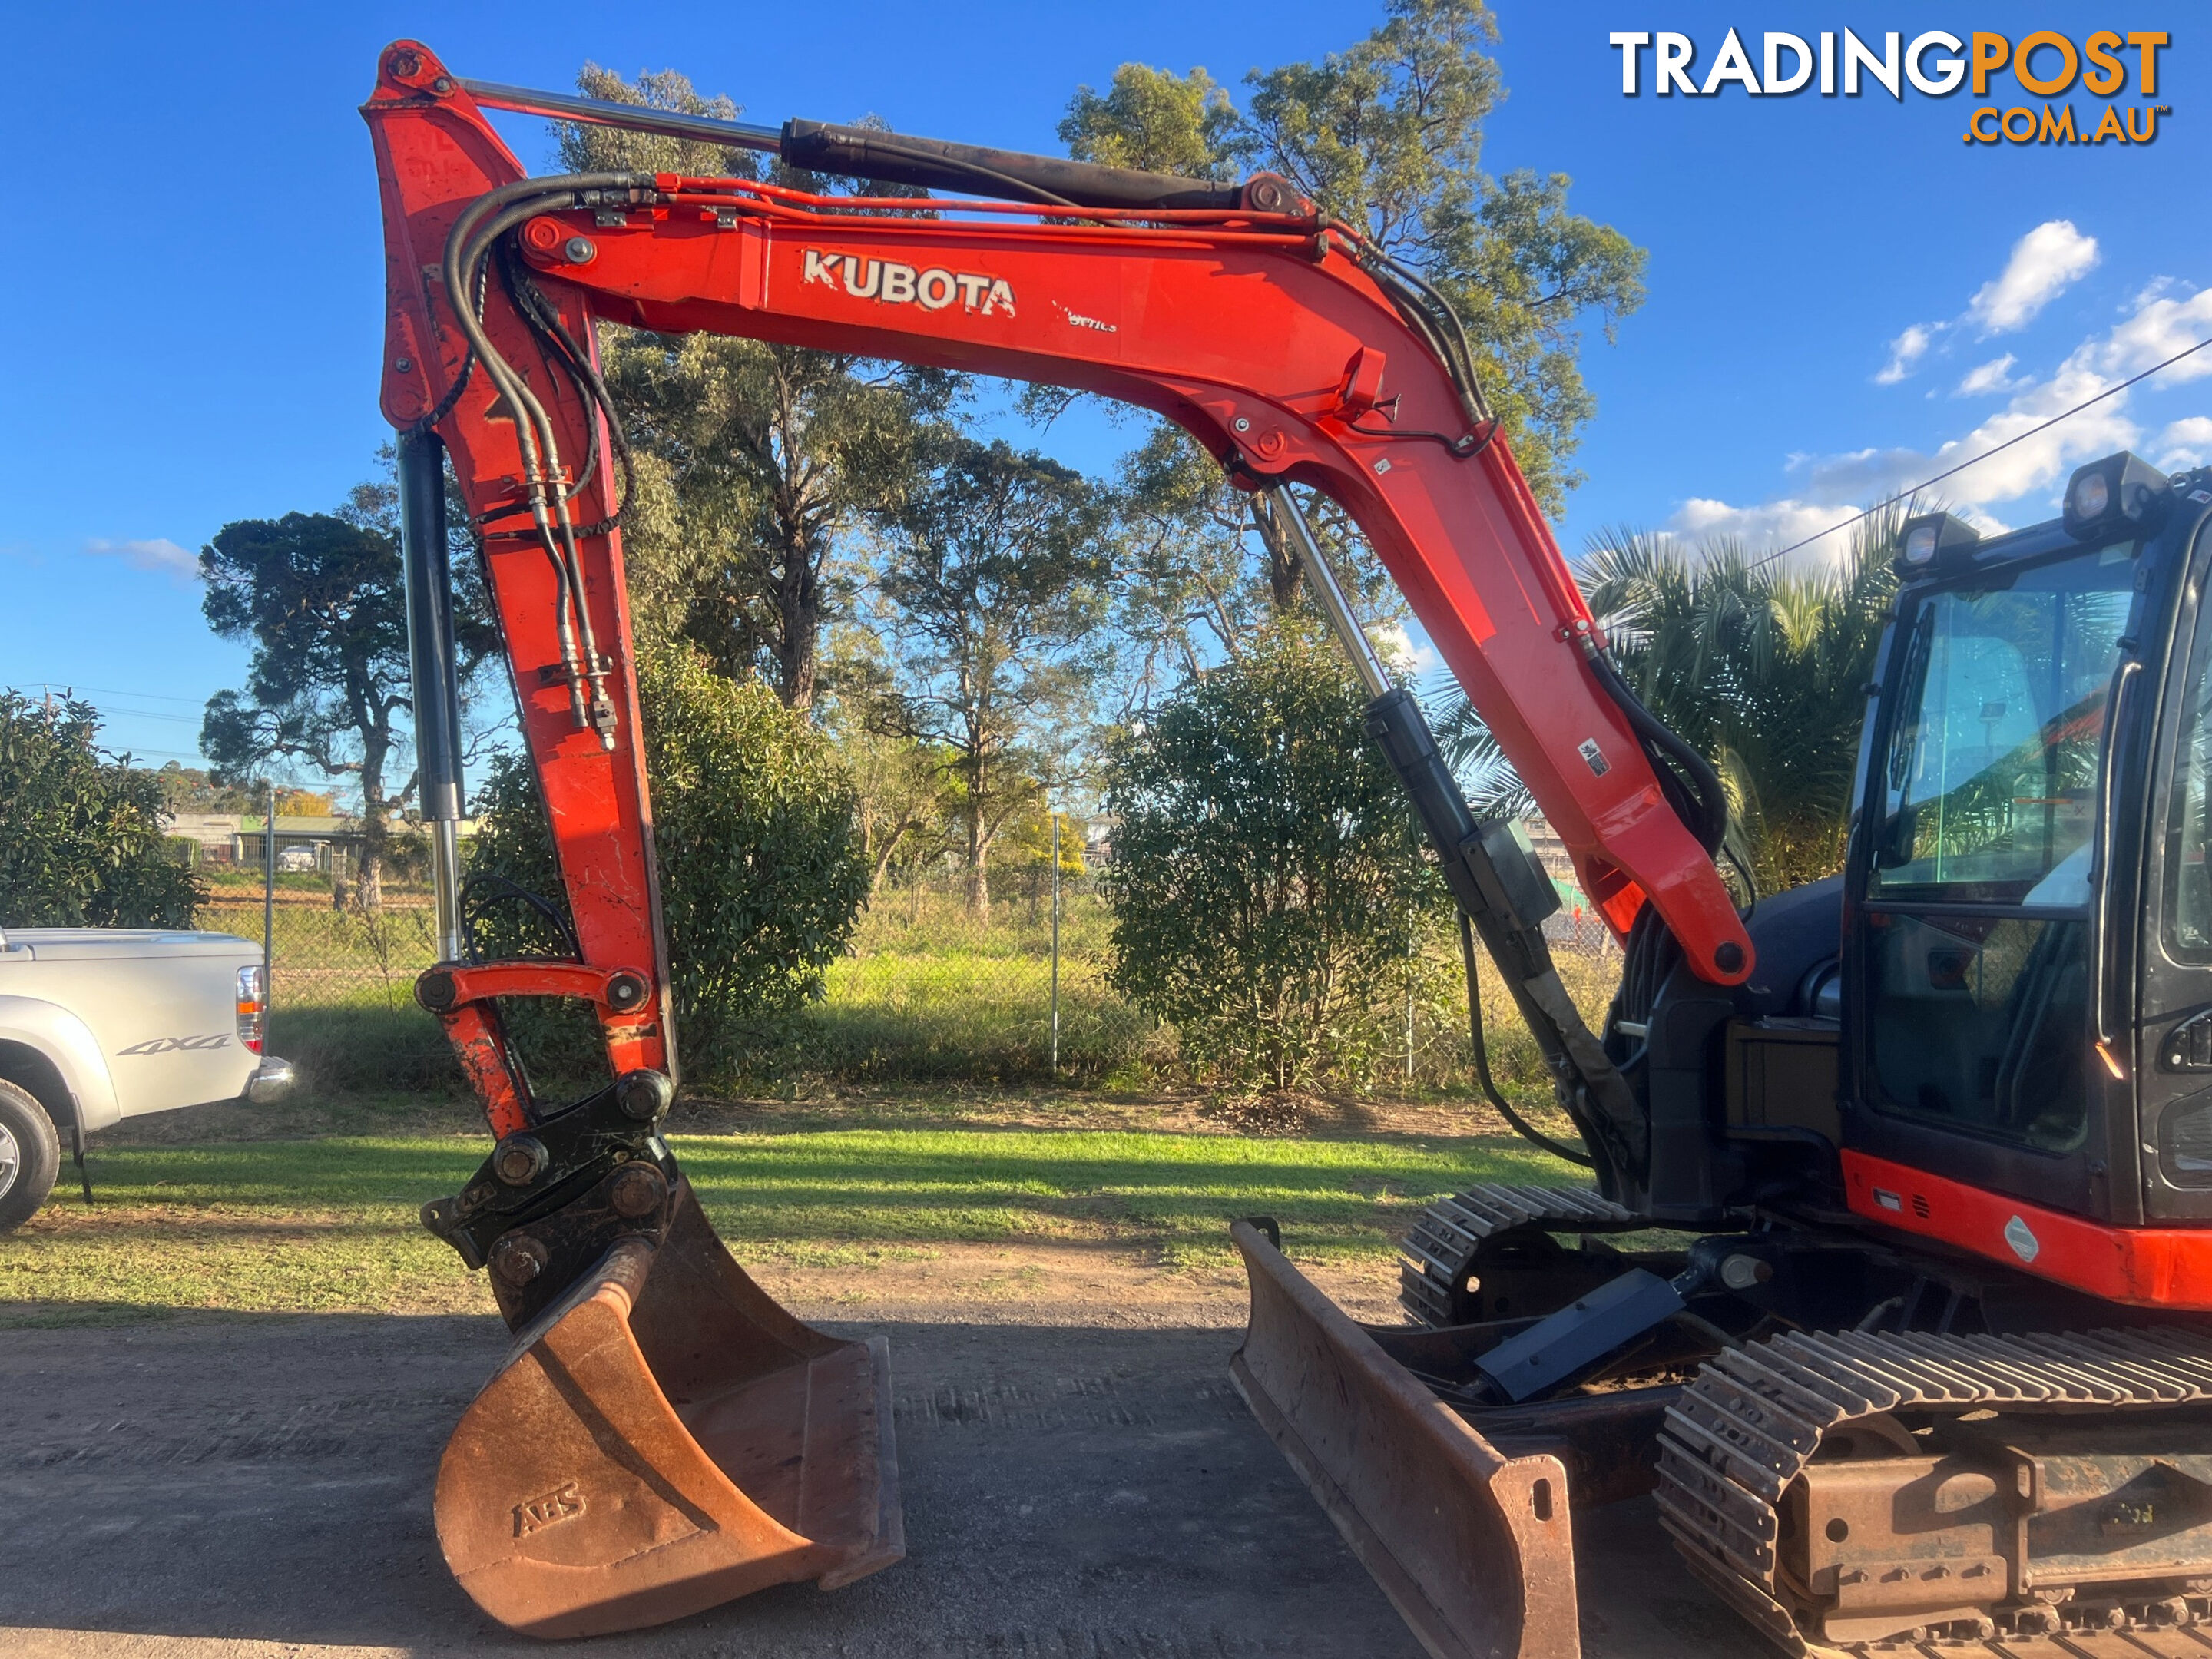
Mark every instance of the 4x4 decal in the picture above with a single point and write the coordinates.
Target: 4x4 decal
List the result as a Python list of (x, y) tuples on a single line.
[(171, 1045)]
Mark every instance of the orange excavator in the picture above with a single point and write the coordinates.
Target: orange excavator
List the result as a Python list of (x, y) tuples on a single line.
[(1888, 1280)]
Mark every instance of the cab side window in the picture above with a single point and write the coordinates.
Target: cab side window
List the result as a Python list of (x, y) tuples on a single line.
[(2188, 885)]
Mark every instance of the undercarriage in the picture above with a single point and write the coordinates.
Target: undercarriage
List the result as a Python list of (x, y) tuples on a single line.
[(1858, 1447)]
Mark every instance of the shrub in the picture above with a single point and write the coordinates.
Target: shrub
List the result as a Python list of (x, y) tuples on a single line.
[(1266, 872), (762, 873), (81, 834)]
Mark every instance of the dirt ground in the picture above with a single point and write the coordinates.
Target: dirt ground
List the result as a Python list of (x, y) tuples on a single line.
[(1049, 1282), (1080, 1480), (230, 1486)]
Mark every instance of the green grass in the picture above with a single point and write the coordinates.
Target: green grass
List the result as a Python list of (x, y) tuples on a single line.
[(930, 992), (329, 1224)]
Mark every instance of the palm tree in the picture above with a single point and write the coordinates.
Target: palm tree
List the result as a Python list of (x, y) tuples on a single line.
[(1763, 666)]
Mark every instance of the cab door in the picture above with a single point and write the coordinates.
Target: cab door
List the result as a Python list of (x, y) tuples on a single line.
[(1974, 979), (2173, 991)]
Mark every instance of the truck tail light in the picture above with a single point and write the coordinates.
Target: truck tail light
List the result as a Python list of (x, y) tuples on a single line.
[(253, 1007)]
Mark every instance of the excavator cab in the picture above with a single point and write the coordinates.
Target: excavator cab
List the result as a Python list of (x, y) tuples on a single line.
[(2023, 923)]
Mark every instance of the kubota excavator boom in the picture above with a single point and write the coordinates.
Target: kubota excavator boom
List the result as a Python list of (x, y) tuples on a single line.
[(1289, 348)]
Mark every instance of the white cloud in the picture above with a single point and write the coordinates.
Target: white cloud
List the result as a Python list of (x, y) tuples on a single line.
[(158, 554), (1906, 351), (2186, 443), (2038, 462), (1992, 376), (1770, 524), (1861, 475), (2044, 263), (1403, 652), (2156, 329), (1826, 490)]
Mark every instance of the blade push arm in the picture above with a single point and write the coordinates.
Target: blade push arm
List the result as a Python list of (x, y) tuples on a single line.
[(1267, 336)]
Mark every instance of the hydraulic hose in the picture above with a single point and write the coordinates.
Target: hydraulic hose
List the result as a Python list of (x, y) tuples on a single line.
[(1490, 1091), (1706, 817), (468, 244)]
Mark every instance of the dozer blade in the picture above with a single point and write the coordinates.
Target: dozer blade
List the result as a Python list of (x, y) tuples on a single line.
[(1472, 1548), (663, 1438)]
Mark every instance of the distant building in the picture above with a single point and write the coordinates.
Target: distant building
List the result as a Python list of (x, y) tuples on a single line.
[(214, 833), (330, 844), (1552, 854)]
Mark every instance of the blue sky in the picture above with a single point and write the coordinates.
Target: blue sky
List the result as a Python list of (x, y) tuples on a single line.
[(1844, 296)]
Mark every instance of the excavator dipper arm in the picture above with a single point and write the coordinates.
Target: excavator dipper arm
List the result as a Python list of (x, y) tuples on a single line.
[(665, 1436)]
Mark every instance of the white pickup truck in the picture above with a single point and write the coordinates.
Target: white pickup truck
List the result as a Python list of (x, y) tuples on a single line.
[(101, 1024)]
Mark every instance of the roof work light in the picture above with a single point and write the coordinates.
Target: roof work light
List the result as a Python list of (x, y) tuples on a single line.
[(1935, 538), (2120, 492)]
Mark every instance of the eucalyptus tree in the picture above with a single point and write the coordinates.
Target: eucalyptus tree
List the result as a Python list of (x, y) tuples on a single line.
[(754, 461), (995, 579), (1387, 135), (320, 597)]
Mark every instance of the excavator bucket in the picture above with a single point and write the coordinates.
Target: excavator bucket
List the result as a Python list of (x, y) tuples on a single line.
[(666, 1438), (1473, 1548)]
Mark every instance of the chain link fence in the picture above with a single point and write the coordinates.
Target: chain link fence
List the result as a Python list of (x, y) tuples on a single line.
[(936, 987), (931, 987), (341, 976)]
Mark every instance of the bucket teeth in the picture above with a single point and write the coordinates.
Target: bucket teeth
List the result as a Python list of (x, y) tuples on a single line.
[(665, 1439)]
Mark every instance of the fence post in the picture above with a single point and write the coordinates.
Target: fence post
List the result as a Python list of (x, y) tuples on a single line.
[(1055, 947), (1413, 944), (268, 915)]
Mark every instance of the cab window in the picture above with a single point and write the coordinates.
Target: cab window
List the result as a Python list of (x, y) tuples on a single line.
[(1989, 792), (2188, 890), (1979, 982)]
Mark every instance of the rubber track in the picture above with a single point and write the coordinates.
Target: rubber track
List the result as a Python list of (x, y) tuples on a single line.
[(1443, 1240), (1739, 1434)]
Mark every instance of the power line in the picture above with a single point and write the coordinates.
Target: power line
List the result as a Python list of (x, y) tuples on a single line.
[(108, 711), (1907, 494), (112, 691), (135, 752)]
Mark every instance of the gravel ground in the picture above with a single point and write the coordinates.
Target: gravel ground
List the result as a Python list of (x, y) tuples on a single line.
[(217, 1486)]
